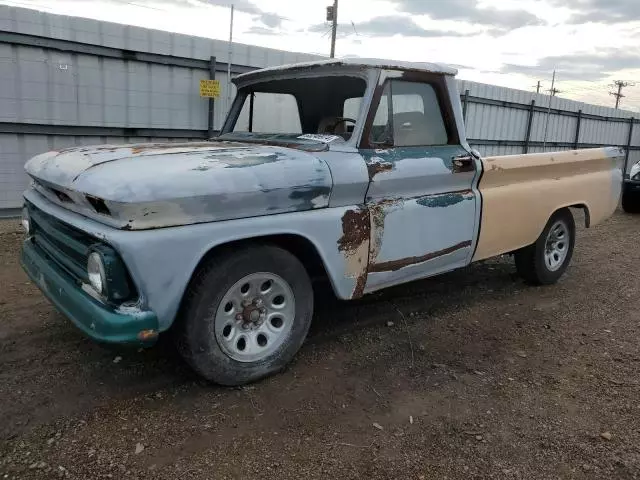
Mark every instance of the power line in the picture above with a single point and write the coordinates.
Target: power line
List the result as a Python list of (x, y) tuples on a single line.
[(620, 84), (554, 91)]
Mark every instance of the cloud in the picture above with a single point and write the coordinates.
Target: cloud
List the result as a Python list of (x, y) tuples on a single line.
[(269, 19), (587, 67), (387, 26), (256, 30), (602, 11), (468, 11)]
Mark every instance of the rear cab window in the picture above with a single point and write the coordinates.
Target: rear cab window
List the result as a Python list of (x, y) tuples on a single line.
[(322, 107), (264, 120)]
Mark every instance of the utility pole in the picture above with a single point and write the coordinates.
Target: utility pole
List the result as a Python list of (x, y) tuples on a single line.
[(554, 91), (229, 59), (538, 87), (620, 84), (332, 16), (546, 125)]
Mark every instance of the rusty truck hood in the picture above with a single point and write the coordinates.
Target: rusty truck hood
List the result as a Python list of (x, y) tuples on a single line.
[(159, 185)]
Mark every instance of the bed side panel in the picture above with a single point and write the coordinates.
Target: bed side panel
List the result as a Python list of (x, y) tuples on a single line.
[(521, 192)]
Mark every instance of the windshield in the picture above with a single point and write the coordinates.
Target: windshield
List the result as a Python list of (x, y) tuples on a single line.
[(319, 109)]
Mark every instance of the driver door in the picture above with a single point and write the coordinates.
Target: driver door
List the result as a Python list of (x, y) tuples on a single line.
[(422, 194)]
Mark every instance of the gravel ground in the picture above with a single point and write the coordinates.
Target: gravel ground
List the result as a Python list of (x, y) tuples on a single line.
[(467, 375)]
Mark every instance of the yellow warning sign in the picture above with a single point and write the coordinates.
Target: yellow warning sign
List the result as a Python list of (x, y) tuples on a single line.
[(210, 88)]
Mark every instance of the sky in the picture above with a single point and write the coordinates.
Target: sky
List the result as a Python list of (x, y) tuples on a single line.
[(511, 43)]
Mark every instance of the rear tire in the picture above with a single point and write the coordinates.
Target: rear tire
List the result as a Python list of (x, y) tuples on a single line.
[(546, 260), (630, 200), (246, 314)]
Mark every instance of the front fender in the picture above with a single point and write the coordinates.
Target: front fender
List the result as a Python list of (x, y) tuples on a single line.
[(162, 261)]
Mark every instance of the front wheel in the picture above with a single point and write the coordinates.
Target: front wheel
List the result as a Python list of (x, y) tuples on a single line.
[(246, 314), (545, 261)]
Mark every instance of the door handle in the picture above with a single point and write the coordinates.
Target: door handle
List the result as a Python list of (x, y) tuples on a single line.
[(462, 163)]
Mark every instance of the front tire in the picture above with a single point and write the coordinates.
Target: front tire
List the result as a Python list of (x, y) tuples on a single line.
[(246, 314), (546, 260)]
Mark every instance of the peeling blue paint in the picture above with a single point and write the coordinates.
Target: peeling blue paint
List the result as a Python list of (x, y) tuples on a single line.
[(393, 157), (309, 197), (216, 181)]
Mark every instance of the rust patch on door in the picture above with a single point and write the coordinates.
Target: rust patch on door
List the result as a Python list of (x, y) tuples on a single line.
[(394, 265), (354, 243), (361, 282), (355, 229), (378, 213), (460, 165), (378, 166)]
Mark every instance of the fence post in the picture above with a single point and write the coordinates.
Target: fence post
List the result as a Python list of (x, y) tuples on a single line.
[(529, 125), (212, 76), (577, 140), (465, 101), (626, 155)]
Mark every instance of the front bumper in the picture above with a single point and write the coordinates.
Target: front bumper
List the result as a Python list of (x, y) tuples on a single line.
[(98, 321)]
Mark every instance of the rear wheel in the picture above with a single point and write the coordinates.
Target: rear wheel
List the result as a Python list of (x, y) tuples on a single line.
[(246, 314), (630, 200), (545, 261)]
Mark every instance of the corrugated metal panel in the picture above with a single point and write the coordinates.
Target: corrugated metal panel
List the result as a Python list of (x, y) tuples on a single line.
[(32, 22), (495, 123), (73, 89), (560, 129), (597, 131), (635, 138)]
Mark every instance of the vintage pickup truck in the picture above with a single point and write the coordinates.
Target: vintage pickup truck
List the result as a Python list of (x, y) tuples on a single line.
[(355, 170)]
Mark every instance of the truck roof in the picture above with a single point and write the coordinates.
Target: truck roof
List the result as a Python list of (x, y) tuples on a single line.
[(353, 62)]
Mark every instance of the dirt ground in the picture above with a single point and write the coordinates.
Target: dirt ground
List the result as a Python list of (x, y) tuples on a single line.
[(467, 375)]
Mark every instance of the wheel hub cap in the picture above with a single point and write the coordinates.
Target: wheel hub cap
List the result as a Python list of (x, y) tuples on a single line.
[(556, 246), (255, 317)]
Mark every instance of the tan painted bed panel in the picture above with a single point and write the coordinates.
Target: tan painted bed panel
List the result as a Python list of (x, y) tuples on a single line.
[(521, 192)]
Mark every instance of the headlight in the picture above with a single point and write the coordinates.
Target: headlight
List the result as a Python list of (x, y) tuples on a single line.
[(96, 272), (26, 220), (107, 274)]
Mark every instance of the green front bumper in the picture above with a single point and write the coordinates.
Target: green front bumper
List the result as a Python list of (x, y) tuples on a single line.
[(98, 321)]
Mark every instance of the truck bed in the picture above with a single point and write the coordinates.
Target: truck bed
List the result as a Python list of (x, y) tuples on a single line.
[(520, 192)]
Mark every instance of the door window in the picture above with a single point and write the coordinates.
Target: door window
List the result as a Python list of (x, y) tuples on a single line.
[(408, 115)]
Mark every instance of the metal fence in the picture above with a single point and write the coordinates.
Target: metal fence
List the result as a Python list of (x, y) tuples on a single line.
[(502, 121), (68, 81)]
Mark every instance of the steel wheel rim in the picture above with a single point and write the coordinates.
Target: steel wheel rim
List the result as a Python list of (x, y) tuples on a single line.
[(556, 246), (255, 317)]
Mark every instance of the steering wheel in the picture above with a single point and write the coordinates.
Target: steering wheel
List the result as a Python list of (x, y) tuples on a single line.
[(340, 120)]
